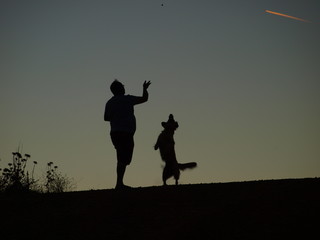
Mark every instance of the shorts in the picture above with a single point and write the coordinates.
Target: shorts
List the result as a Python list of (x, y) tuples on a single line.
[(124, 144)]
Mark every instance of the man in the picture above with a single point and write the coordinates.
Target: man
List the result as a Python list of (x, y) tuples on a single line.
[(119, 111)]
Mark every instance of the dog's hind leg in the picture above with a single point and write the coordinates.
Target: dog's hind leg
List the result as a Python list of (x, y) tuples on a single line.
[(165, 175), (164, 181), (177, 175)]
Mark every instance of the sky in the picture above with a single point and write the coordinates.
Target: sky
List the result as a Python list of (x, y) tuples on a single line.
[(242, 83)]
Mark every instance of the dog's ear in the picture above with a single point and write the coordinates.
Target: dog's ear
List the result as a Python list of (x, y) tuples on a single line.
[(163, 124)]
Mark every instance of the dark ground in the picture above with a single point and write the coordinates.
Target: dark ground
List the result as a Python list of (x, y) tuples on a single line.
[(273, 209)]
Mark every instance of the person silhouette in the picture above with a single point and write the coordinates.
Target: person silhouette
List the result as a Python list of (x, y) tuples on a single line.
[(119, 111)]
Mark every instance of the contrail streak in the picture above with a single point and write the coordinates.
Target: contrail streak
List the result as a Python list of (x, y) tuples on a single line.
[(288, 16)]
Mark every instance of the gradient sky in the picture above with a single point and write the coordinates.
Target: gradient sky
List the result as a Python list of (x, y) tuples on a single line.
[(243, 85)]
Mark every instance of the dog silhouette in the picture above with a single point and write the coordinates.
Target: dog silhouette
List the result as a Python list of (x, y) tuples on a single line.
[(165, 144)]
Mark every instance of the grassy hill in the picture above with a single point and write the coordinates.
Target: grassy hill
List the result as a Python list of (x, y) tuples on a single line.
[(273, 209)]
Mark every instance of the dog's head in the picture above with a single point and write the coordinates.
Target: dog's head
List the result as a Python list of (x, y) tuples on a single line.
[(171, 124)]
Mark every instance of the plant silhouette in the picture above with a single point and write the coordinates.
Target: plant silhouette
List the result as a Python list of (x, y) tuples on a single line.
[(55, 181), (17, 179)]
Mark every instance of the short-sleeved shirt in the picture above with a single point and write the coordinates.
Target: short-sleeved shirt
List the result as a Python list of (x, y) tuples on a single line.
[(119, 111)]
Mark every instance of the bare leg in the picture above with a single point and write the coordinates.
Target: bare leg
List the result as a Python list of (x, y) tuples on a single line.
[(121, 169), (124, 145)]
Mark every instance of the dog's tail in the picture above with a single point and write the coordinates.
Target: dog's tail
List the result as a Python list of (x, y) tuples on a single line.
[(183, 166)]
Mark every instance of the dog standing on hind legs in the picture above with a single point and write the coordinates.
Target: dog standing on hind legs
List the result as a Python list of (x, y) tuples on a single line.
[(165, 144)]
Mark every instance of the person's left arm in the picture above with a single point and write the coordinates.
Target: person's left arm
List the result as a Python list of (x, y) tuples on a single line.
[(145, 94), (106, 113)]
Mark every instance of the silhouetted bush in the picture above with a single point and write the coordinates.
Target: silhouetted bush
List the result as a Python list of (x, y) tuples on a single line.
[(16, 178), (56, 182)]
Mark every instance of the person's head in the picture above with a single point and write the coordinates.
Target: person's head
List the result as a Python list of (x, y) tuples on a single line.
[(117, 88)]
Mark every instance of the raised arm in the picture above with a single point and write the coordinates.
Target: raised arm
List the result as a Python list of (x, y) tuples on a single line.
[(145, 94)]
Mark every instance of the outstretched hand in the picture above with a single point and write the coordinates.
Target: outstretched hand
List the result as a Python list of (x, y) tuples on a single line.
[(146, 85)]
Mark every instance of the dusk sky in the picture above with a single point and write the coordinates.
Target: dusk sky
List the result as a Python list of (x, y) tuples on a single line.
[(242, 83)]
